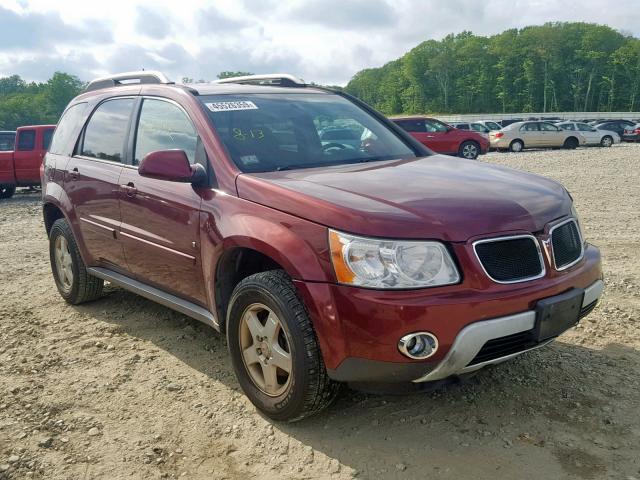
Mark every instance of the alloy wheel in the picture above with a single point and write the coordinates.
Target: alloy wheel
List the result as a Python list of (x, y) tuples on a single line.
[(470, 151), (266, 351), (64, 262)]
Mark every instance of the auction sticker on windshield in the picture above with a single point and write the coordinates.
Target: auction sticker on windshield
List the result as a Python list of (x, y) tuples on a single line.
[(231, 106)]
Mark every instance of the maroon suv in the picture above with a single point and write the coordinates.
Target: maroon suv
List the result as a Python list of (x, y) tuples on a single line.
[(358, 256)]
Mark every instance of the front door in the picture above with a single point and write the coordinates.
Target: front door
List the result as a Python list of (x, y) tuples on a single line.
[(92, 182), (550, 135), (160, 219)]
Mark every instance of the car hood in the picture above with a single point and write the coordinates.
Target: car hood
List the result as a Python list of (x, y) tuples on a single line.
[(433, 197)]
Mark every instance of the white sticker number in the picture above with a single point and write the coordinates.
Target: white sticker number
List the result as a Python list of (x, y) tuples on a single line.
[(231, 106)]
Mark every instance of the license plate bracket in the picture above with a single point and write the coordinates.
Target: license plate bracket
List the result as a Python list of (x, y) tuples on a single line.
[(556, 314)]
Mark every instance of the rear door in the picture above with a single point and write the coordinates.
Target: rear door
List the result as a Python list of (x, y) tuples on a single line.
[(27, 159), (530, 133), (92, 181), (592, 135), (160, 219)]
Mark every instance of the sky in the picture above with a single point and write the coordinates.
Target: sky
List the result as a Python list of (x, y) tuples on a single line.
[(322, 41)]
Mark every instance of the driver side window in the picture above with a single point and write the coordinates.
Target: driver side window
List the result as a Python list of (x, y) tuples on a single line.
[(164, 126), (435, 126)]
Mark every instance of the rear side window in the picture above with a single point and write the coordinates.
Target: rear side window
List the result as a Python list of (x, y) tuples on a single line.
[(7, 141), (583, 127), (66, 126), (462, 126), (479, 128), (106, 131), (547, 127), (164, 126), (568, 126), (416, 126), (530, 127), (26, 140), (46, 138)]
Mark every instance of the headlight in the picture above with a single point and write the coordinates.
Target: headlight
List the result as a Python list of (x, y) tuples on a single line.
[(376, 263)]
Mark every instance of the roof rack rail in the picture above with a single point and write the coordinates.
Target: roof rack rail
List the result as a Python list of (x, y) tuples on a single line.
[(271, 79), (126, 78)]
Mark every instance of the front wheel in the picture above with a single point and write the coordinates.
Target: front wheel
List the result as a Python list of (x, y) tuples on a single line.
[(74, 283), (606, 141), (469, 150), (7, 191), (274, 349)]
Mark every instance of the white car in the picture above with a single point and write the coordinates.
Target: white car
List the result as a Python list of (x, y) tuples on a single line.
[(594, 136), (475, 126), (490, 124)]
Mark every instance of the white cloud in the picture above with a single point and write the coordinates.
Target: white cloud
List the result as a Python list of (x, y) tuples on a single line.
[(320, 40)]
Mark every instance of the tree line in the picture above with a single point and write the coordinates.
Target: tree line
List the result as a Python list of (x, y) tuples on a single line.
[(38, 103), (553, 67)]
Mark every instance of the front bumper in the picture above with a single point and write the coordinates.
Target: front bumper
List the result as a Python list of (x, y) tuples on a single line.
[(358, 329), (471, 339)]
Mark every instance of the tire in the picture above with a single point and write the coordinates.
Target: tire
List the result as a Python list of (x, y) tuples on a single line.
[(469, 150), (606, 141), (516, 146), (81, 287), (571, 143), (7, 191), (305, 389)]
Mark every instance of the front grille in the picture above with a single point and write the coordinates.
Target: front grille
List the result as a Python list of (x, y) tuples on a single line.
[(503, 346), (566, 244), (510, 259)]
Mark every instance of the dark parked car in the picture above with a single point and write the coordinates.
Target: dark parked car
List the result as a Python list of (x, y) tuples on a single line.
[(632, 134), (384, 263), (617, 126)]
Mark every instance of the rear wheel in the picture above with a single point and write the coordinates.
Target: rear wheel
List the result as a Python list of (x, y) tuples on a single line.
[(7, 191), (516, 146), (606, 141), (469, 150), (74, 283), (571, 143), (274, 349)]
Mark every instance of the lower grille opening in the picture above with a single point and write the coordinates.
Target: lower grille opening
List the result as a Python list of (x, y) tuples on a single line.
[(503, 346)]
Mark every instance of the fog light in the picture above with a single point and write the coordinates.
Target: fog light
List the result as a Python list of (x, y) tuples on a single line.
[(419, 345)]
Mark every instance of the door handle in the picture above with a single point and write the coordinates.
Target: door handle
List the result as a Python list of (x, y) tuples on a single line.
[(74, 174), (130, 189), (430, 136)]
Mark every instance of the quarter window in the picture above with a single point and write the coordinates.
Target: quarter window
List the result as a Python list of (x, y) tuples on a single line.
[(106, 131), (26, 140), (65, 128), (164, 126)]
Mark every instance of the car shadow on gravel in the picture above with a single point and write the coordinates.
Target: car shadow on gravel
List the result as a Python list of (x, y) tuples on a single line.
[(565, 407)]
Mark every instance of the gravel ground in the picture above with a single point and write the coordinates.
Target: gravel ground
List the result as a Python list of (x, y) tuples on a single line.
[(124, 388)]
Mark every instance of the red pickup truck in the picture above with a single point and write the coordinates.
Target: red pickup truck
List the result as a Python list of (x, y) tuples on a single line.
[(21, 155)]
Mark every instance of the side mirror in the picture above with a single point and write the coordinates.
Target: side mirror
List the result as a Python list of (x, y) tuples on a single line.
[(172, 166)]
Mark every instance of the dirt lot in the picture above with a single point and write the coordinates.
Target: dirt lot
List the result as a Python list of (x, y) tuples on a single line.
[(124, 388)]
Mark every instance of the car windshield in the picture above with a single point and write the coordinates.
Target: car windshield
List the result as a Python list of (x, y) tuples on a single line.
[(267, 132)]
